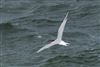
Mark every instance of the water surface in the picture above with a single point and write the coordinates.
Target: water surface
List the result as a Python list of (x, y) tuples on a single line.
[(23, 21)]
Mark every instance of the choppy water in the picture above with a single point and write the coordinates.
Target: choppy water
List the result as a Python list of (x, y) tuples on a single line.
[(22, 22)]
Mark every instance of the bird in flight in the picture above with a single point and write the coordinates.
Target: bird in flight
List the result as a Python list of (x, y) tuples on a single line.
[(59, 40)]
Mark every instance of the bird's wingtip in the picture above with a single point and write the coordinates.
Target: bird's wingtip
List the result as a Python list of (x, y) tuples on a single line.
[(38, 51), (67, 13)]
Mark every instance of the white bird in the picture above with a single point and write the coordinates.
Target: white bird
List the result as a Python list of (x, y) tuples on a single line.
[(59, 37)]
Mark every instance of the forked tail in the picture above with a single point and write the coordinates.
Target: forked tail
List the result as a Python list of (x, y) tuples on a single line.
[(63, 43)]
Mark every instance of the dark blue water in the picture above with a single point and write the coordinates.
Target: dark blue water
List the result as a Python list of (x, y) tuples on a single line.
[(27, 25)]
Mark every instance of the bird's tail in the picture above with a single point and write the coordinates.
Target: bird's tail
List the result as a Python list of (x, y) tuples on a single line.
[(63, 43)]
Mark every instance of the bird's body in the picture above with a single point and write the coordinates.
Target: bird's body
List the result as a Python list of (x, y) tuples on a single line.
[(59, 37)]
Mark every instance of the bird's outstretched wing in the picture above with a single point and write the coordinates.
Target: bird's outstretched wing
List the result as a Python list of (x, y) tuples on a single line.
[(61, 28), (46, 46)]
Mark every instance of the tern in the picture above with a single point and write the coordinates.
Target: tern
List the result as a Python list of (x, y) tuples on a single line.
[(59, 40)]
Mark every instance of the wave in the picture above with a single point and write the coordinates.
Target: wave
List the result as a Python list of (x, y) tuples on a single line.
[(85, 58)]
